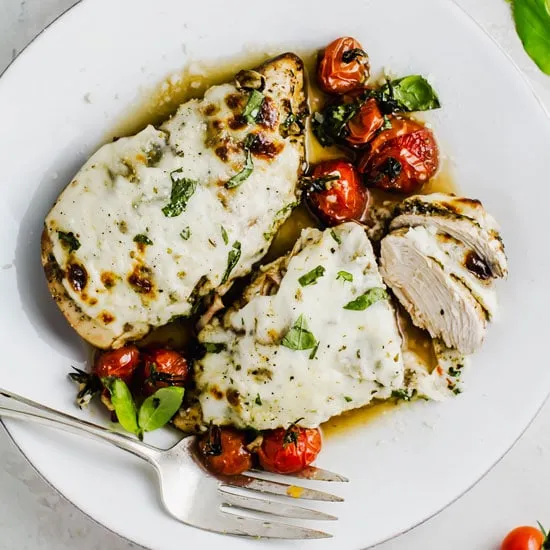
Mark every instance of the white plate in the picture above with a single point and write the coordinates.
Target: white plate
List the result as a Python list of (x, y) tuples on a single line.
[(405, 466)]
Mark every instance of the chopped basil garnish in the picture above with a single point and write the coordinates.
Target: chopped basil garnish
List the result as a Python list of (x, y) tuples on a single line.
[(318, 185), (345, 276), (159, 408), (280, 216), (348, 398), (186, 233), (68, 240), (258, 400), (387, 123), (213, 347), (314, 351), (335, 236), (330, 126), (253, 106), (124, 405), (182, 191), (232, 260), (142, 239), (299, 337), (311, 277), (237, 179), (392, 168), (224, 235), (153, 155), (289, 120), (410, 93), (368, 299), (403, 394)]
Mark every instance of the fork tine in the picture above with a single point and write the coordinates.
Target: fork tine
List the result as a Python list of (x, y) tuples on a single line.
[(272, 507), (314, 474), (276, 488), (234, 524)]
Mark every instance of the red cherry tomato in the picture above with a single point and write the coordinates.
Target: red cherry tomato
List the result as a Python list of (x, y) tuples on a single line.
[(343, 66), (364, 125), (120, 363), (336, 193), (402, 158), (162, 368), (224, 451), (289, 451), (525, 538)]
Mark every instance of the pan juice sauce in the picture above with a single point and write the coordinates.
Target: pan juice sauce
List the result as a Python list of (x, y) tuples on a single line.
[(162, 101)]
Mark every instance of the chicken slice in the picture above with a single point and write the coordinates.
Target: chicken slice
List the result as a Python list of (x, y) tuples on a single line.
[(463, 219), (427, 285)]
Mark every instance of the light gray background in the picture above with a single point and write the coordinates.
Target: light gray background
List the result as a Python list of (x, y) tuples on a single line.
[(34, 517)]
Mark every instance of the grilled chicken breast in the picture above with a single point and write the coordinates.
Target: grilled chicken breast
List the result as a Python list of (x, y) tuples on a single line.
[(442, 267), (153, 223), (313, 336)]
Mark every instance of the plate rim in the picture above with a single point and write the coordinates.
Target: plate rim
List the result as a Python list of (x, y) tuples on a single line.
[(546, 110)]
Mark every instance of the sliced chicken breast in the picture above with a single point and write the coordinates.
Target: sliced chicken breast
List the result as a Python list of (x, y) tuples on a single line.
[(463, 219), (424, 280)]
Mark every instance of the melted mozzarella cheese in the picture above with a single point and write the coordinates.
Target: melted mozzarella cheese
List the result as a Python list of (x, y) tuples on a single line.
[(121, 191), (255, 381)]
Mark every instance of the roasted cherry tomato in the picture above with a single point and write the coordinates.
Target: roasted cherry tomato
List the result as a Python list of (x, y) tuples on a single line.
[(224, 451), (364, 125), (402, 158), (120, 363), (162, 368), (291, 450), (526, 538), (335, 192), (343, 66)]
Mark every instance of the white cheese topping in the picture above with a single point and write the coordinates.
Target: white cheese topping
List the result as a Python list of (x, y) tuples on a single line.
[(120, 194), (259, 382)]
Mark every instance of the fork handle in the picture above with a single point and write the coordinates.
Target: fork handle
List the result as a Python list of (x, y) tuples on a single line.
[(46, 416)]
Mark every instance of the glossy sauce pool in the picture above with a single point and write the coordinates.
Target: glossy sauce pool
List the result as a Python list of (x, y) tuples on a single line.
[(162, 101)]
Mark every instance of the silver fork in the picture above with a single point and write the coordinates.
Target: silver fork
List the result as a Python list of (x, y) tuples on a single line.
[(193, 495)]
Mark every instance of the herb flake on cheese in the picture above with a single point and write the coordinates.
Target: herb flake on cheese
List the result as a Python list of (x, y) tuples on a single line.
[(213, 347), (232, 260), (142, 239), (368, 299), (244, 174), (253, 106), (225, 237), (186, 233), (68, 240), (311, 277), (335, 236), (182, 191), (345, 276), (299, 337)]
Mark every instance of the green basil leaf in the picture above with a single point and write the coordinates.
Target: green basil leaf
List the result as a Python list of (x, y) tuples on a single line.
[(232, 260), (345, 276), (411, 93), (368, 299), (532, 19), (182, 191), (299, 337), (244, 174), (335, 236), (314, 351), (143, 239), (225, 237), (124, 405), (68, 240), (158, 409), (330, 126), (186, 233), (213, 347), (253, 106), (311, 277)]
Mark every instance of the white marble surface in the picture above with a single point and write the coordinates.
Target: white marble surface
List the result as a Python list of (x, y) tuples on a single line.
[(34, 517)]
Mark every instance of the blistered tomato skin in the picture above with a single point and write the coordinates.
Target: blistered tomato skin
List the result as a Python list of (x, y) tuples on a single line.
[(224, 452), (336, 193), (343, 66), (364, 125), (289, 451), (401, 159), (119, 363), (163, 368)]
